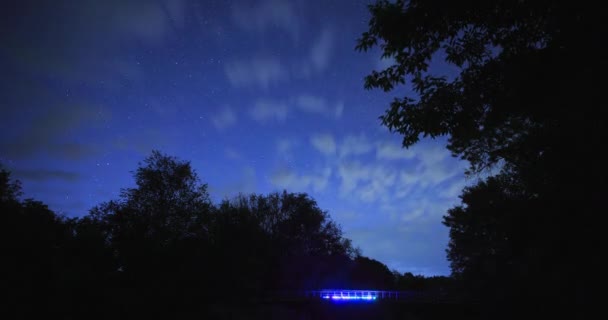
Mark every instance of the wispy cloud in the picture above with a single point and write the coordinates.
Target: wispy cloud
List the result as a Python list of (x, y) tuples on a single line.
[(46, 175), (369, 182), (318, 105), (260, 72), (265, 110), (224, 119), (284, 145), (262, 16), (320, 54), (48, 134), (245, 182), (288, 179), (355, 145), (324, 143), (279, 109), (453, 190), (264, 70), (142, 141), (232, 154), (425, 168), (75, 53), (392, 151)]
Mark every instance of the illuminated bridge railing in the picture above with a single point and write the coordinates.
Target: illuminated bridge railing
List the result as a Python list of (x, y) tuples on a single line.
[(357, 295), (362, 296)]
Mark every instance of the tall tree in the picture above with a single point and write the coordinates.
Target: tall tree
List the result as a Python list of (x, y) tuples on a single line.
[(525, 101), (159, 228)]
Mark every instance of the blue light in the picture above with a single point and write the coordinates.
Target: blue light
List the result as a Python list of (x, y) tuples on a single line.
[(348, 295)]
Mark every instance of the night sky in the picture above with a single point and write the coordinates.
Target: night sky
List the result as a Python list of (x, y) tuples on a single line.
[(260, 96)]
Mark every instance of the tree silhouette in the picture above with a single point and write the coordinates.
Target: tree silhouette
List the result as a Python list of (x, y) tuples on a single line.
[(33, 241), (492, 246), (304, 246), (524, 101), (370, 273), (10, 191), (518, 78), (159, 232)]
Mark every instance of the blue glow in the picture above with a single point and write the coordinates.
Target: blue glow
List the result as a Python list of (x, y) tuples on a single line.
[(349, 295)]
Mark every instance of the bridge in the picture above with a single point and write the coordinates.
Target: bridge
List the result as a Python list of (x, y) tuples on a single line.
[(357, 295), (363, 304), (362, 296)]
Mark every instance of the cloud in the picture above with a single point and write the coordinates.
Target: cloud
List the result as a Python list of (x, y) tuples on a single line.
[(265, 110), (71, 150), (142, 141), (87, 45), (261, 72), (264, 71), (385, 180), (311, 104), (355, 145), (176, 10), (350, 173), (261, 16), (285, 152), (45, 175), (142, 20), (232, 154), (284, 145), (319, 56), (431, 153), (453, 190), (369, 182), (284, 148), (244, 180), (224, 119), (324, 143), (320, 52), (247, 182), (430, 171), (280, 109), (318, 105), (290, 180), (339, 109), (49, 133), (391, 151)]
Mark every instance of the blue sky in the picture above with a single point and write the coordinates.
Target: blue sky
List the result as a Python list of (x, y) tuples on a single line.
[(260, 96)]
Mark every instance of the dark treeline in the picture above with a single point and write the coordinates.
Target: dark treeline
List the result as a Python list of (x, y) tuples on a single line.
[(164, 248)]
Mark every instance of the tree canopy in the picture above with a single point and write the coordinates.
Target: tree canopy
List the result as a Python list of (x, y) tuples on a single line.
[(525, 100), (524, 68)]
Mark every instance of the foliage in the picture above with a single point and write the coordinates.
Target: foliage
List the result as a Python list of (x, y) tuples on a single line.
[(10, 191), (293, 237), (518, 80), (370, 273), (524, 100)]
